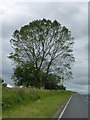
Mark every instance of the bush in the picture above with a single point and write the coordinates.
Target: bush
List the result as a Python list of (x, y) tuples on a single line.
[(61, 87)]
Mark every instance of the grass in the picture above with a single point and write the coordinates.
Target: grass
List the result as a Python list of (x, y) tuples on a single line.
[(32, 103), (0, 100)]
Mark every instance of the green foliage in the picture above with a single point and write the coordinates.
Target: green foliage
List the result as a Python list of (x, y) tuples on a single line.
[(12, 97), (45, 107), (23, 74), (61, 87), (26, 75), (41, 48), (3, 82)]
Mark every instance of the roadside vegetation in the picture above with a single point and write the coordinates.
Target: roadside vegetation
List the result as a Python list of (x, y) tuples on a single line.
[(31, 102), (43, 57), (0, 100)]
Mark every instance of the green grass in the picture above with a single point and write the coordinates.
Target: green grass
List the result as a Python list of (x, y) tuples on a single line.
[(0, 100), (32, 103)]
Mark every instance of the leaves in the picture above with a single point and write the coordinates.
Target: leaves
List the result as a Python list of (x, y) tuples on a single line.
[(44, 43)]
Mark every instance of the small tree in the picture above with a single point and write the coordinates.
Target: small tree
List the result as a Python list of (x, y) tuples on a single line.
[(3, 82), (47, 45)]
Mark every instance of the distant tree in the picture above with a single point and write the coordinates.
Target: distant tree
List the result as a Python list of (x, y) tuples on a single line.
[(3, 82), (61, 87), (46, 45)]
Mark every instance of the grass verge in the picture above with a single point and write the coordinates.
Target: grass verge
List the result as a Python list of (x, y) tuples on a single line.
[(32, 103), (0, 101)]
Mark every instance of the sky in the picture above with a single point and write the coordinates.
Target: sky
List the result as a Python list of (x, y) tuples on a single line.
[(73, 15)]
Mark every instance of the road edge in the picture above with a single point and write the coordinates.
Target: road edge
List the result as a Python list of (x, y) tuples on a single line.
[(59, 111), (63, 110)]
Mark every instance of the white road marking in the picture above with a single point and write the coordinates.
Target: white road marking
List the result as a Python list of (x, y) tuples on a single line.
[(64, 108)]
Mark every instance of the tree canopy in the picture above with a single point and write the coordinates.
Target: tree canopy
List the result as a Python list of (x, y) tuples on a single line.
[(41, 48)]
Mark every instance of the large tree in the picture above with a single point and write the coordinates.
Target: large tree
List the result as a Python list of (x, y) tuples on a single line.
[(46, 45)]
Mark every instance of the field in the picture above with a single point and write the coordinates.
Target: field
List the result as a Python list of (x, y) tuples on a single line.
[(32, 103)]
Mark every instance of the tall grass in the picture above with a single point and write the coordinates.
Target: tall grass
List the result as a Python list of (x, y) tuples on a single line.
[(0, 100), (31, 101), (13, 96)]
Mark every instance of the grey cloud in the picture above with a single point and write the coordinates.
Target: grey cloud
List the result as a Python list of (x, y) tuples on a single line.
[(7, 70), (28, 11), (77, 88)]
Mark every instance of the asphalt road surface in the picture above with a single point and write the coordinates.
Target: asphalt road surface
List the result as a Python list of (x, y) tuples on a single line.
[(77, 107)]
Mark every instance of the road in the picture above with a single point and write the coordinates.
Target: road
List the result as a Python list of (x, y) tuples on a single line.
[(77, 107)]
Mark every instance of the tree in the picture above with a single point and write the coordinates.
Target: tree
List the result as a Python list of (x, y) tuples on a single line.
[(3, 82), (27, 75), (46, 44)]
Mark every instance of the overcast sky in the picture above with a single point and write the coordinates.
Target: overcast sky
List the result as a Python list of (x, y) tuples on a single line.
[(72, 15)]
